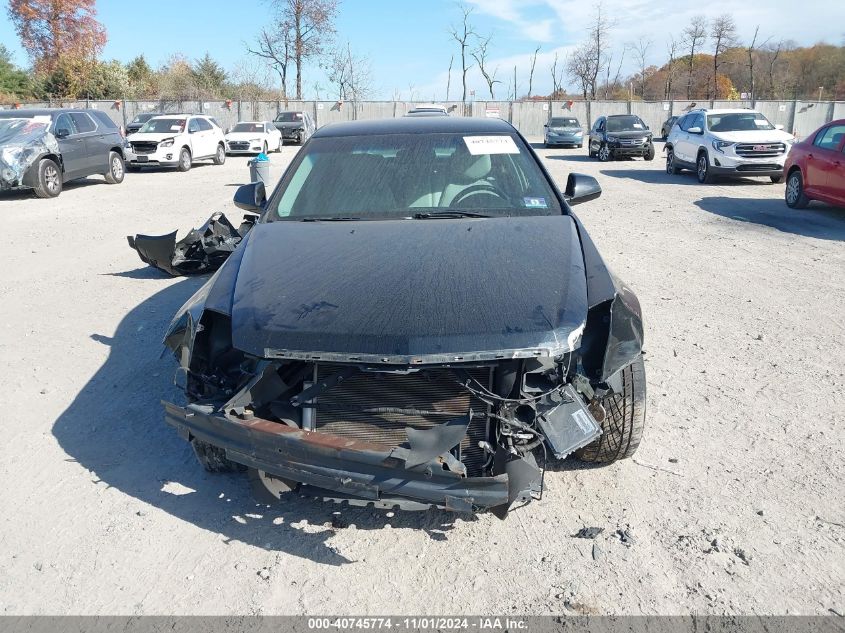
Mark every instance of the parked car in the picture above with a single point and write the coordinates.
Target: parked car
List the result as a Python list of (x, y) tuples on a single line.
[(177, 140), (815, 168), (138, 122), (252, 137), (429, 109), (733, 143), (563, 131), (620, 135), (45, 148), (667, 127), (296, 126), (416, 319)]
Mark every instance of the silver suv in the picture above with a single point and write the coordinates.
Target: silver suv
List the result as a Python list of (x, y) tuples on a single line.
[(733, 143)]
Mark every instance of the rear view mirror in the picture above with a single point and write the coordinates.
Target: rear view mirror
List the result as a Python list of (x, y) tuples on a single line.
[(695, 130), (62, 133), (779, 126), (581, 188), (250, 197)]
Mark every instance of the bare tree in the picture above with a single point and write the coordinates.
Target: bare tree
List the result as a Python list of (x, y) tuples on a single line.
[(641, 53), (480, 57), (597, 42), (276, 48), (462, 34), (775, 53), (694, 36), (514, 82), (580, 66), (672, 49), (449, 76), (557, 77), (723, 34), (607, 83), (311, 24), (350, 73), (531, 74)]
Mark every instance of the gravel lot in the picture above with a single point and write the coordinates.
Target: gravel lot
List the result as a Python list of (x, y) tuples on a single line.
[(733, 503)]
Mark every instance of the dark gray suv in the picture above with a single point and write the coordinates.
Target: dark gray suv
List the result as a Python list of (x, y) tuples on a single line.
[(45, 148)]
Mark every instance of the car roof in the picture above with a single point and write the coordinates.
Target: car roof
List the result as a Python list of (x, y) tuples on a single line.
[(725, 110), (27, 113), (417, 125)]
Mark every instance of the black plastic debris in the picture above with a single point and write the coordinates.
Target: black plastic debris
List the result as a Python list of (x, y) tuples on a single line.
[(202, 250)]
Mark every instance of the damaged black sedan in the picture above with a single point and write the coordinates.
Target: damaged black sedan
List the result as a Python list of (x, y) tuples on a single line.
[(417, 320)]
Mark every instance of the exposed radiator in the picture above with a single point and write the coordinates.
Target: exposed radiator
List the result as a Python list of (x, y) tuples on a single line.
[(338, 409)]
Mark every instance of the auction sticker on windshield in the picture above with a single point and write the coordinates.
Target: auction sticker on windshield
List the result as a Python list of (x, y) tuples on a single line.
[(479, 145)]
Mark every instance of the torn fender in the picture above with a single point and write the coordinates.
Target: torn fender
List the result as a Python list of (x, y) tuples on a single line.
[(23, 142), (202, 250)]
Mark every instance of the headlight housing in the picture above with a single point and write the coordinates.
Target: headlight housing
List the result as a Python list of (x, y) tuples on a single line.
[(168, 142), (612, 139), (255, 140), (720, 146)]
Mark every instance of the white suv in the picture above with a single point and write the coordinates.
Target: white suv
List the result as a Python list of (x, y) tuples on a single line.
[(177, 140), (733, 143)]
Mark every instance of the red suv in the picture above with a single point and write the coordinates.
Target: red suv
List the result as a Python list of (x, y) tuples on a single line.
[(815, 168)]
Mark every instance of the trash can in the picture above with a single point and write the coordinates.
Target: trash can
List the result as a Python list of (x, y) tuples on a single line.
[(259, 169)]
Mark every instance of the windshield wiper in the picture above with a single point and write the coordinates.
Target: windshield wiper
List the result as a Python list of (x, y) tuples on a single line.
[(448, 214), (338, 219)]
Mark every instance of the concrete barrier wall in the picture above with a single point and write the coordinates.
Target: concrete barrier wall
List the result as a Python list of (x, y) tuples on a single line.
[(529, 117)]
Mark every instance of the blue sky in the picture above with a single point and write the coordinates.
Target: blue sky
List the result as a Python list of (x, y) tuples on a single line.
[(408, 42)]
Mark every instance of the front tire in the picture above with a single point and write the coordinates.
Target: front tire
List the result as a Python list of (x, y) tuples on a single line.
[(213, 459), (624, 421), (48, 183), (268, 489), (117, 169), (220, 156), (184, 159), (794, 193), (776, 179), (604, 153), (702, 169), (649, 154), (671, 168)]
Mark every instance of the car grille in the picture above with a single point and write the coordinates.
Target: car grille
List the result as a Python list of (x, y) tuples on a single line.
[(760, 150), (759, 167), (144, 147), (632, 142), (338, 410), (238, 145)]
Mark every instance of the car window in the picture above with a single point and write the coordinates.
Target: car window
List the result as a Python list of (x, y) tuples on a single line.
[(193, 126), (203, 124), (64, 122), (830, 138), (248, 127), (83, 122), (161, 126), (738, 122), (289, 117), (697, 121), (627, 123), (684, 122), (399, 175), (104, 120)]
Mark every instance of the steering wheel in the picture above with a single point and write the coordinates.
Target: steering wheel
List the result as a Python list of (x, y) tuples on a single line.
[(481, 189)]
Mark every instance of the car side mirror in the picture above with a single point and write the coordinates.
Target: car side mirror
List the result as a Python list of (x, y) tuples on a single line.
[(62, 133), (581, 188), (251, 197), (779, 126), (695, 130)]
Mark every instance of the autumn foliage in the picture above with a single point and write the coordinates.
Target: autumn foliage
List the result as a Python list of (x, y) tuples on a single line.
[(58, 34)]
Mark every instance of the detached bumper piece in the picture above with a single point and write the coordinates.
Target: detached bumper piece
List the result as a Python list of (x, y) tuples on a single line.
[(348, 468), (202, 250)]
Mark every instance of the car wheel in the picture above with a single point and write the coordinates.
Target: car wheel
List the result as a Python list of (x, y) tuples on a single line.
[(184, 159), (702, 169), (649, 153), (49, 181), (220, 156), (604, 153), (776, 179), (280, 145), (624, 419), (117, 169), (580, 146), (794, 194), (670, 163), (264, 148), (214, 459), (267, 489)]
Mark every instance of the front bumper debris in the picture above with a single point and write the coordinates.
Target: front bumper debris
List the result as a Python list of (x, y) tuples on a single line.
[(201, 251), (348, 467)]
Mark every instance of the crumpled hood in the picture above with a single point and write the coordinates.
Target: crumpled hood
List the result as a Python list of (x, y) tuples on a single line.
[(411, 291), (754, 136)]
